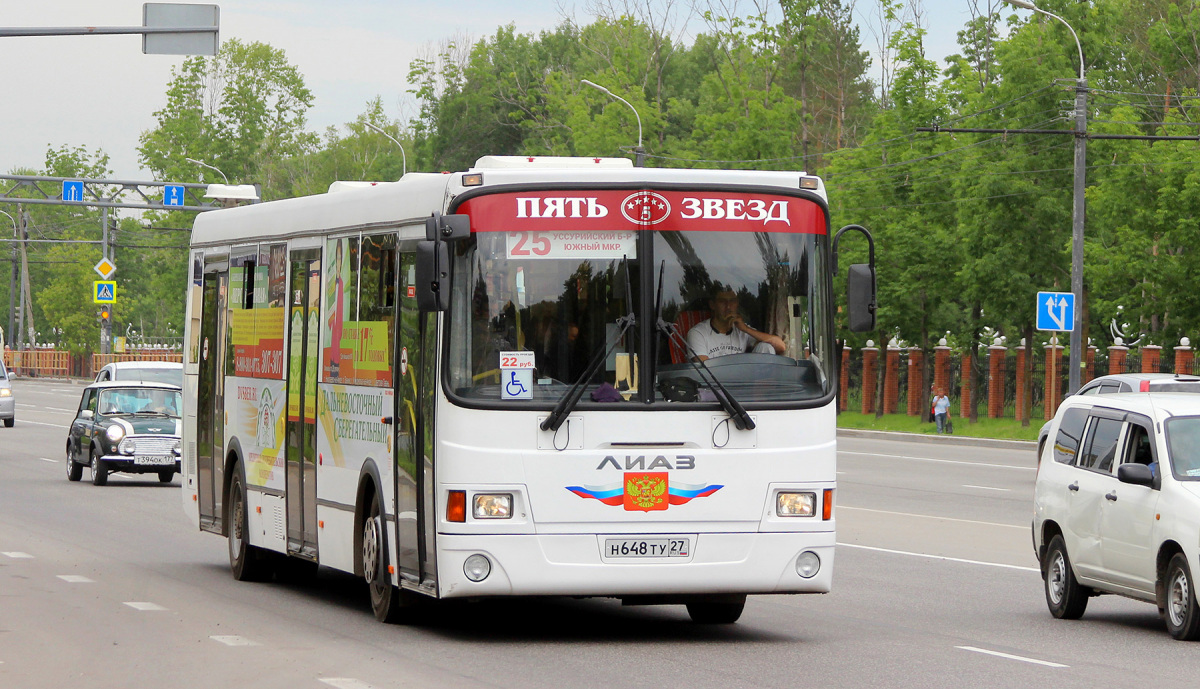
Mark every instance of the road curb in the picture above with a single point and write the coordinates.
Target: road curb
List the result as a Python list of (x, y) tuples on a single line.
[(937, 439)]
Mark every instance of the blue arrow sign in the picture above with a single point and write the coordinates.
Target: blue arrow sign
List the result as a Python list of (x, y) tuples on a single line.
[(1056, 311), (72, 190), (173, 195)]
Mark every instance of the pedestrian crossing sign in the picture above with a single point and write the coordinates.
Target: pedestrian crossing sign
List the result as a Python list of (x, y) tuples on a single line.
[(104, 291)]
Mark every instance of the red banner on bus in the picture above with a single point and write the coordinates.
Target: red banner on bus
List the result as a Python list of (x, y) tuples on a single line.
[(626, 210)]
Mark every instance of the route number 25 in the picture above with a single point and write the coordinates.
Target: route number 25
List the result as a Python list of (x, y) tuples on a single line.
[(528, 244)]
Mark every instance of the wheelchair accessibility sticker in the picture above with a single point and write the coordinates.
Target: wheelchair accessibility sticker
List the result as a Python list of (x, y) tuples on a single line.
[(516, 375)]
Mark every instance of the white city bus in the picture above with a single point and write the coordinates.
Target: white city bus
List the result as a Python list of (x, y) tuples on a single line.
[(480, 384)]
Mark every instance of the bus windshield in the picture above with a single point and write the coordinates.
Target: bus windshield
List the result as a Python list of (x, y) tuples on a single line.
[(532, 309)]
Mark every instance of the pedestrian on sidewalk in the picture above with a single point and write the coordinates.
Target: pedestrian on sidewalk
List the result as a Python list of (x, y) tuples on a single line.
[(941, 411)]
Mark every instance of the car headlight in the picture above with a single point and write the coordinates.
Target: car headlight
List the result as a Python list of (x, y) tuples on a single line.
[(177, 448), (796, 504), (493, 506), (5, 392), (115, 433), (127, 446)]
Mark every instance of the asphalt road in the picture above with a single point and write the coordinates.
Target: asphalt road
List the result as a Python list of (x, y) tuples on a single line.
[(935, 586)]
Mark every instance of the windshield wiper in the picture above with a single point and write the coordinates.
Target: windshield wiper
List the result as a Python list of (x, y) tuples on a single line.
[(741, 418), (569, 400)]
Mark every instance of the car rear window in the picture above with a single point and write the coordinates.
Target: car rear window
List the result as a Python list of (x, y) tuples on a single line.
[(1066, 444), (154, 375)]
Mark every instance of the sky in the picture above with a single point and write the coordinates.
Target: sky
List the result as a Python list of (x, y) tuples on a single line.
[(101, 92)]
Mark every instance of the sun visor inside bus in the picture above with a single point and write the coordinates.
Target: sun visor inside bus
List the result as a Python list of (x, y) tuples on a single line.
[(447, 227)]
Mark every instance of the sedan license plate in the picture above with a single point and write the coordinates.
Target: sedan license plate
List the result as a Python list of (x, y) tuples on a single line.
[(154, 460), (647, 547)]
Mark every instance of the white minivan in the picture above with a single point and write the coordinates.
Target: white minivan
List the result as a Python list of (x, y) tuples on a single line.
[(1117, 504)]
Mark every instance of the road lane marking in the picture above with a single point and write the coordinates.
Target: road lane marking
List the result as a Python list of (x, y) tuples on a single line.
[(940, 557), (1004, 490), (39, 423), (75, 579), (44, 459), (144, 606), (939, 461), (1010, 656), (931, 516), (230, 640), (345, 683), (18, 555)]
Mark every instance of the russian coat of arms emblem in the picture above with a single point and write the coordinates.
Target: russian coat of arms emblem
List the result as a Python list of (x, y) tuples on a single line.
[(646, 492)]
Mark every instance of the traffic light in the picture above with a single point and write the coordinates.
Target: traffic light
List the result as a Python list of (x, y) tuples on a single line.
[(105, 316)]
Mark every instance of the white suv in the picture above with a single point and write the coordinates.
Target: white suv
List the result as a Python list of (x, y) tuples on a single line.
[(1117, 504)]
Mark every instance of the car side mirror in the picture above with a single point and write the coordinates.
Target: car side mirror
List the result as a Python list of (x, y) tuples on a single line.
[(86, 414), (1137, 474)]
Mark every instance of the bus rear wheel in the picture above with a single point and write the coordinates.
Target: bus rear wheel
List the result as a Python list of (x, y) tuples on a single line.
[(247, 562), (725, 611), (385, 598)]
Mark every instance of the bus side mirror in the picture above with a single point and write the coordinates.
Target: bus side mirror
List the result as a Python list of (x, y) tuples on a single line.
[(860, 283), (440, 227), (860, 297), (433, 271)]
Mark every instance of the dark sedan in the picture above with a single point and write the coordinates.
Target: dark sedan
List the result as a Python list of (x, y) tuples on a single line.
[(132, 427)]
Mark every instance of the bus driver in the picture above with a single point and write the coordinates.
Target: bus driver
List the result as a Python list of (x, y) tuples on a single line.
[(726, 332)]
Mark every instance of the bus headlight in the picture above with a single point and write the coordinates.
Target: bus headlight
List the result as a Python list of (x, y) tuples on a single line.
[(127, 446), (115, 433), (177, 448), (477, 567), (493, 506), (808, 564), (796, 504)]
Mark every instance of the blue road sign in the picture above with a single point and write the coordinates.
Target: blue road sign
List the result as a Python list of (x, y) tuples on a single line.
[(104, 291), (1056, 311), (72, 190), (173, 195)]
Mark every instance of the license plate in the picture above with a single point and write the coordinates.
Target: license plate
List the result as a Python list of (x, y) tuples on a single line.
[(154, 460), (647, 547)]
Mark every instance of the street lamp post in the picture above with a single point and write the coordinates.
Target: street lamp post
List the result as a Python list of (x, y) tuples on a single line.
[(12, 285), (1078, 212), (403, 156), (639, 153), (201, 163)]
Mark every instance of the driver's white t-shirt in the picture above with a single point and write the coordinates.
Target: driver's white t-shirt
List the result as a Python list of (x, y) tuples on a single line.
[(707, 342)]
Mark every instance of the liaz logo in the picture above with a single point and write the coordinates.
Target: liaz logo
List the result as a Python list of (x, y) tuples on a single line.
[(645, 492)]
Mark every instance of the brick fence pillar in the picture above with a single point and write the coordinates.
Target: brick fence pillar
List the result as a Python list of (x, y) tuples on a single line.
[(964, 399), (1089, 366), (916, 378), (891, 378), (1150, 357), (1054, 363), (870, 377), (941, 366), (1116, 358), (844, 379), (1019, 403), (1184, 357), (995, 398)]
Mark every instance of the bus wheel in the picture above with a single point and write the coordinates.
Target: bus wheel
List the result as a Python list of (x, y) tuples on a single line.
[(165, 476), (248, 563), (717, 612), (385, 598), (99, 469)]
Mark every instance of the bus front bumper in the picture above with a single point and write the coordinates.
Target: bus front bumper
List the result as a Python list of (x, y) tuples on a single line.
[(576, 565)]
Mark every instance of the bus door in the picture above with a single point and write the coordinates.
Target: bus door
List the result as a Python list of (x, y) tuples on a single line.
[(210, 402), (414, 383), (302, 356)]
